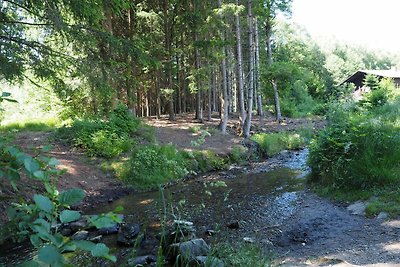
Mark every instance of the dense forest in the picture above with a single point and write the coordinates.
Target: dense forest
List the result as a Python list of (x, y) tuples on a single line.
[(175, 94), (170, 57)]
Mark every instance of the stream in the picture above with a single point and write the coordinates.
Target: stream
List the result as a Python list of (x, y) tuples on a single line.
[(255, 199)]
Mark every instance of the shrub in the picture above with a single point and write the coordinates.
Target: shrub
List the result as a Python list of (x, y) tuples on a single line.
[(239, 154), (360, 151), (105, 138), (204, 161), (152, 165)]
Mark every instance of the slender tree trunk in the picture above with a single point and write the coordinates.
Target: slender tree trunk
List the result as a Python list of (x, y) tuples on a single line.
[(224, 99), (260, 111), (210, 89), (268, 33), (247, 124), (239, 69), (158, 98), (199, 110)]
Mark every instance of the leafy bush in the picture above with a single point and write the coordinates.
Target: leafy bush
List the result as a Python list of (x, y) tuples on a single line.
[(239, 154), (152, 165), (105, 138), (203, 161), (38, 220), (358, 150)]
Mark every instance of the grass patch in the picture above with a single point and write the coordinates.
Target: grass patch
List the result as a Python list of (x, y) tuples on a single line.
[(151, 165), (195, 128), (241, 254), (381, 199), (273, 143), (31, 126)]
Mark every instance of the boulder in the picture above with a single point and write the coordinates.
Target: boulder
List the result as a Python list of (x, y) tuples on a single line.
[(80, 235), (80, 224), (127, 234), (207, 261), (358, 208), (188, 251), (142, 260), (178, 232)]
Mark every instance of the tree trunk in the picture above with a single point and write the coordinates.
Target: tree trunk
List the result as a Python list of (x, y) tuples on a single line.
[(239, 69), (199, 111), (260, 111), (247, 124), (210, 89), (224, 99), (268, 33)]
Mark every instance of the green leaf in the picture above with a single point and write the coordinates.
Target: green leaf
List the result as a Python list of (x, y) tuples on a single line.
[(118, 209), (5, 94), (29, 264), (71, 196), (53, 162), (42, 227), (10, 100), (101, 250), (44, 203), (31, 165), (84, 245), (40, 175), (36, 241), (67, 216), (50, 255), (102, 221)]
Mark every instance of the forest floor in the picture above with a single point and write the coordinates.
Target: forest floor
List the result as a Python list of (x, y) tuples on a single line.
[(317, 233)]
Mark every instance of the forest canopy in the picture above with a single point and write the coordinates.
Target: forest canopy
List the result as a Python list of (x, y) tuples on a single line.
[(169, 57)]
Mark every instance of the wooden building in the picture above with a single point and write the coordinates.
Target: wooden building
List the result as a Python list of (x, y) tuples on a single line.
[(358, 79)]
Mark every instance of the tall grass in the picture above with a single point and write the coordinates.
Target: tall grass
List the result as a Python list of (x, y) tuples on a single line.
[(272, 143), (31, 125)]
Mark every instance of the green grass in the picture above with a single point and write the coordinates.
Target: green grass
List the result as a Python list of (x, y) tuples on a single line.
[(273, 143), (381, 199), (241, 254), (31, 125)]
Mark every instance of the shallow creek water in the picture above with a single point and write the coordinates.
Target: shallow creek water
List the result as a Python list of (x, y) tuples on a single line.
[(262, 196)]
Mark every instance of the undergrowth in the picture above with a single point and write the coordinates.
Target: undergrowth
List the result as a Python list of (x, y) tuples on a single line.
[(105, 138), (358, 155), (272, 143)]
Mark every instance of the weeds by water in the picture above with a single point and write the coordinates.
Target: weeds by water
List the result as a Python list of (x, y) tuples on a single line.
[(272, 143)]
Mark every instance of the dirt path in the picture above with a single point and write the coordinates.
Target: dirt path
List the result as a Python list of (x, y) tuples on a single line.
[(81, 172), (180, 134), (320, 231)]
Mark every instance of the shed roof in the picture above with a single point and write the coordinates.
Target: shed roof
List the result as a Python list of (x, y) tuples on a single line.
[(393, 73)]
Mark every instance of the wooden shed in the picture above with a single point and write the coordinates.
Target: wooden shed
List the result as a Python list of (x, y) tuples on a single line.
[(358, 77)]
